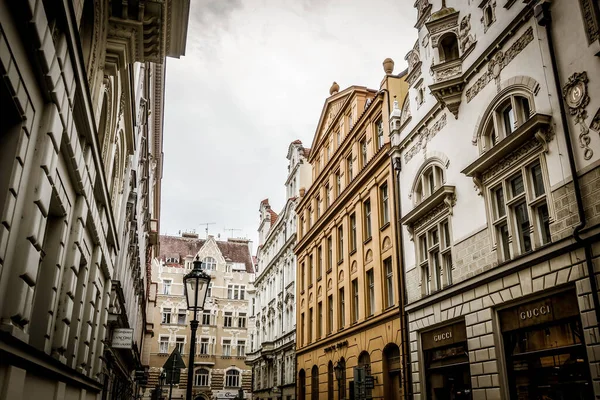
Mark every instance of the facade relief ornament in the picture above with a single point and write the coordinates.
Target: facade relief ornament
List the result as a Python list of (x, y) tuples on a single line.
[(465, 37), (497, 63), (576, 96), (425, 135), (595, 125)]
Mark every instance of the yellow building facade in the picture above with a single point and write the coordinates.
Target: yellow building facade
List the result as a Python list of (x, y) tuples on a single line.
[(348, 275)]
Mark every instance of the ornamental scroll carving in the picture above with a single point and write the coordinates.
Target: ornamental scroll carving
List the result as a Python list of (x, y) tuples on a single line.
[(497, 63), (425, 136), (576, 96)]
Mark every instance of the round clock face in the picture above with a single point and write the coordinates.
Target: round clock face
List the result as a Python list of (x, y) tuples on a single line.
[(575, 95)]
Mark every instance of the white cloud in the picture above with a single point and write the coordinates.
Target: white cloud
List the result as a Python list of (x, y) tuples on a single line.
[(254, 78)]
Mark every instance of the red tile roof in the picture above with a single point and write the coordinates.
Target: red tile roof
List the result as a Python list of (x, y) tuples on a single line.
[(274, 216), (236, 250), (306, 152)]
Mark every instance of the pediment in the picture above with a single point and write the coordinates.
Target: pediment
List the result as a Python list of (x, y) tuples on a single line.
[(329, 114)]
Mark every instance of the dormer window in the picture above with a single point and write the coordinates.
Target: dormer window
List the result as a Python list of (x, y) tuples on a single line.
[(431, 178), (448, 47)]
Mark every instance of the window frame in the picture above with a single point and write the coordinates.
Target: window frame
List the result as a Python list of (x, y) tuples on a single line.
[(384, 203)]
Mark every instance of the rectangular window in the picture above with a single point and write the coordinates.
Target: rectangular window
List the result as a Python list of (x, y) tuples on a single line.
[(181, 318), (241, 320), (379, 128), (363, 152), (166, 316), (206, 317), (310, 220), (342, 310), (179, 344), (227, 347), (302, 330), (310, 270), (352, 232), (320, 320), (163, 347), (241, 348), (327, 196), (329, 314), (340, 243), (329, 252), (302, 276), (228, 319), (318, 207), (435, 258), (209, 290), (167, 286), (355, 299), (349, 169), (338, 184), (367, 214), (384, 198), (544, 221), (310, 324), (537, 180), (389, 282), (522, 217), (319, 262), (204, 346), (371, 292)]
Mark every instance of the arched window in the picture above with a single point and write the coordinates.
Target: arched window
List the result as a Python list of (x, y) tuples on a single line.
[(448, 46), (232, 378), (209, 263), (330, 381), (342, 380), (391, 372), (364, 361), (301, 385), (314, 383), (201, 377), (430, 179), (509, 112)]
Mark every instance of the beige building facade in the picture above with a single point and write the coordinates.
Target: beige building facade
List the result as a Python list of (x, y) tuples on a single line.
[(500, 244), (81, 91), (222, 336), (348, 286)]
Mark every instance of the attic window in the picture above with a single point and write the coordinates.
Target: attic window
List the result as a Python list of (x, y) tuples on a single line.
[(239, 266), (172, 259)]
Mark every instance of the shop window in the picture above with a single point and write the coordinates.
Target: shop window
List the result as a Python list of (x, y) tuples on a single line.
[(448, 45), (391, 372), (342, 381), (447, 368), (301, 384), (520, 213), (330, 381)]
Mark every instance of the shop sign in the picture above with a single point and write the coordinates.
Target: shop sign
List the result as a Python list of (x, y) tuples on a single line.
[(549, 309), (225, 394), (444, 336), (122, 338)]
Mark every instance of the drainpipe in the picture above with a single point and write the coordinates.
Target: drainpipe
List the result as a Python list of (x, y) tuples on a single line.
[(543, 17), (407, 373)]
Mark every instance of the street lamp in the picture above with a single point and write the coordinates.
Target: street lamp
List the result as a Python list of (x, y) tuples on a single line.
[(340, 369), (195, 287)]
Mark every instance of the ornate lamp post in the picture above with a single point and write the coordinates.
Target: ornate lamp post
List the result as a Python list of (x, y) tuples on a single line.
[(340, 369), (195, 286)]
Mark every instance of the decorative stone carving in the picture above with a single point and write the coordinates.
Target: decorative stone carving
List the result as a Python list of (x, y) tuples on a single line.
[(465, 37), (590, 20), (423, 12), (405, 112), (514, 158), (447, 72), (497, 63), (576, 96), (425, 136), (491, 6)]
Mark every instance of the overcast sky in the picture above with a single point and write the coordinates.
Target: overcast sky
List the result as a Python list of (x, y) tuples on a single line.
[(254, 78)]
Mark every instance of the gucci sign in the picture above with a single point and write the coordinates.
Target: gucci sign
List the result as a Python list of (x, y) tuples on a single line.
[(535, 312), (442, 336)]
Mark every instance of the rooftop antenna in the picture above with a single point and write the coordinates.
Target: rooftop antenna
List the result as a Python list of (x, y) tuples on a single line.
[(207, 224), (231, 230)]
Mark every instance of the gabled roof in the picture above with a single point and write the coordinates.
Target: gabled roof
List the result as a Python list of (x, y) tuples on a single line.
[(236, 250), (331, 109)]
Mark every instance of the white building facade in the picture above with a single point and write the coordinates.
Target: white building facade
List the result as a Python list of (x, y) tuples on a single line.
[(498, 241), (273, 309)]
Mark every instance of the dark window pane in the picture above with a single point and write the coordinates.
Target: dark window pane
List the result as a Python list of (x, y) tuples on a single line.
[(516, 185), (508, 116), (523, 227), (544, 223), (500, 209), (538, 180), (503, 232)]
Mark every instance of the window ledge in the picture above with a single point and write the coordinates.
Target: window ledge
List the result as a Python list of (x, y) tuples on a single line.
[(444, 194), (384, 226), (506, 147), (320, 278), (352, 252), (341, 261), (367, 240), (329, 270), (310, 286)]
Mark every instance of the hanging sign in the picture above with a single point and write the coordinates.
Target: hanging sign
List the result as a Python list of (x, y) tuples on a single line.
[(122, 338)]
